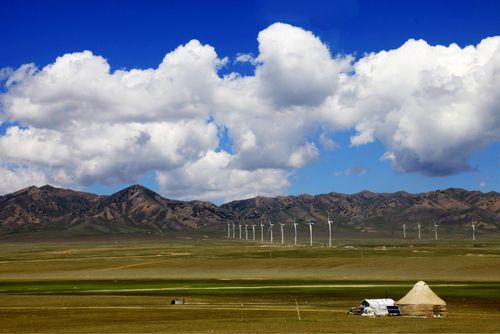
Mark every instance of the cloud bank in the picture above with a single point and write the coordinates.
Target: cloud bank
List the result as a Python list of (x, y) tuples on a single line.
[(75, 122)]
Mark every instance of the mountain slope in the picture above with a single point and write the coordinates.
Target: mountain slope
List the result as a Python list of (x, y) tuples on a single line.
[(141, 207), (137, 208), (36, 207), (451, 206)]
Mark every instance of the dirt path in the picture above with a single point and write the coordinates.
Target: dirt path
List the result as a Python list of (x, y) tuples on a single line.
[(130, 265), (262, 287)]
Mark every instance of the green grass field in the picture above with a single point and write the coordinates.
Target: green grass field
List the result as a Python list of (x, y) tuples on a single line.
[(120, 285)]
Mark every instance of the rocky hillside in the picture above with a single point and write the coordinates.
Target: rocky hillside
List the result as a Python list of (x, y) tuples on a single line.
[(368, 209), (137, 208)]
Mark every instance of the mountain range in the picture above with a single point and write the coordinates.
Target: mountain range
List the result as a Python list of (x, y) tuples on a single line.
[(139, 209)]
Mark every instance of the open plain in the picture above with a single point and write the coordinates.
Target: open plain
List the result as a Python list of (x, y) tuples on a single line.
[(125, 284)]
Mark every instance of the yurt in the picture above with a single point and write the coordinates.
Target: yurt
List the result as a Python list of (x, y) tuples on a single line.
[(422, 301)]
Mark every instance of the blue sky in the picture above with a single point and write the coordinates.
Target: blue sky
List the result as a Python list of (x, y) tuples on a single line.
[(138, 34)]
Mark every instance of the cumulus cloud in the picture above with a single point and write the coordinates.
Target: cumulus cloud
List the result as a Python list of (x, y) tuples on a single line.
[(79, 86), (432, 106), (214, 177), (5, 73), (90, 152), (75, 122), (296, 68), (17, 177)]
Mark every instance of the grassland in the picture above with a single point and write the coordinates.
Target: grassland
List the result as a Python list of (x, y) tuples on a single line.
[(118, 285)]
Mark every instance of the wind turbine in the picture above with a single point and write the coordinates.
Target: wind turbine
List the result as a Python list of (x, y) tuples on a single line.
[(404, 231), (271, 229), (436, 230), (418, 226), (310, 232), (473, 231), (295, 229), (239, 227), (282, 233), (234, 231), (253, 231), (329, 231), (261, 231), (246, 232)]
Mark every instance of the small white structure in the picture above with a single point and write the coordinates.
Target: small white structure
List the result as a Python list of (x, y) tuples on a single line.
[(177, 301), (379, 306)]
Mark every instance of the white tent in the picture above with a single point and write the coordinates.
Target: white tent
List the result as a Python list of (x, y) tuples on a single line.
[(422, 301), (379, 306)]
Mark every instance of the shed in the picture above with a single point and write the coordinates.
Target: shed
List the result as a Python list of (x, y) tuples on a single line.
[(422, 301), (379, 306), (177, 301)]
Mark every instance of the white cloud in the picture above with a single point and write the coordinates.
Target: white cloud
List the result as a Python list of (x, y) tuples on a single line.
[(246, 58), (327, 142), (296, 67), (303, 155), (12, 179), (91, 152), (80, 86), (213, 177), (5, 73), (80, 122), (432, 106)]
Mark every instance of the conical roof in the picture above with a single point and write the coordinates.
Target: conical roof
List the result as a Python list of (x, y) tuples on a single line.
[(421, 294)]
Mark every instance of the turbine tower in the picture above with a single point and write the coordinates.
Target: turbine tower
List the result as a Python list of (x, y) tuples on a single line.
[(329, 231), (246, 232), (253, 231), (239, 227), (261, 231), (310, 232), (473, 231), (404, 231), (234, 231), (282, 233), (271, 230), (295, 229), (418, 226), (436, 230), (228, 230)]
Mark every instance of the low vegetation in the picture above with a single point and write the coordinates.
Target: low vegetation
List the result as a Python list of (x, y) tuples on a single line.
[(125, 285)]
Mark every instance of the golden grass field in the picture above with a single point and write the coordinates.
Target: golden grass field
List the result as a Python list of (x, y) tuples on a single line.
[(125, 285)]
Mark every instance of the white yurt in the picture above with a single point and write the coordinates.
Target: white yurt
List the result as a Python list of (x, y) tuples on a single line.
[(422, 301)]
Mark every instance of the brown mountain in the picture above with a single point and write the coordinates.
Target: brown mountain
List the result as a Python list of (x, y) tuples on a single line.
[(36, 208), (370, 211), (137, 208)]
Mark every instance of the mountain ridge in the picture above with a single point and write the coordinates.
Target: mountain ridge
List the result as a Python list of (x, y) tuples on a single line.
[(137, 208)]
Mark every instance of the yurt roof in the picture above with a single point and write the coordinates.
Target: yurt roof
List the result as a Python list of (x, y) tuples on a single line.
[(421, 294)]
